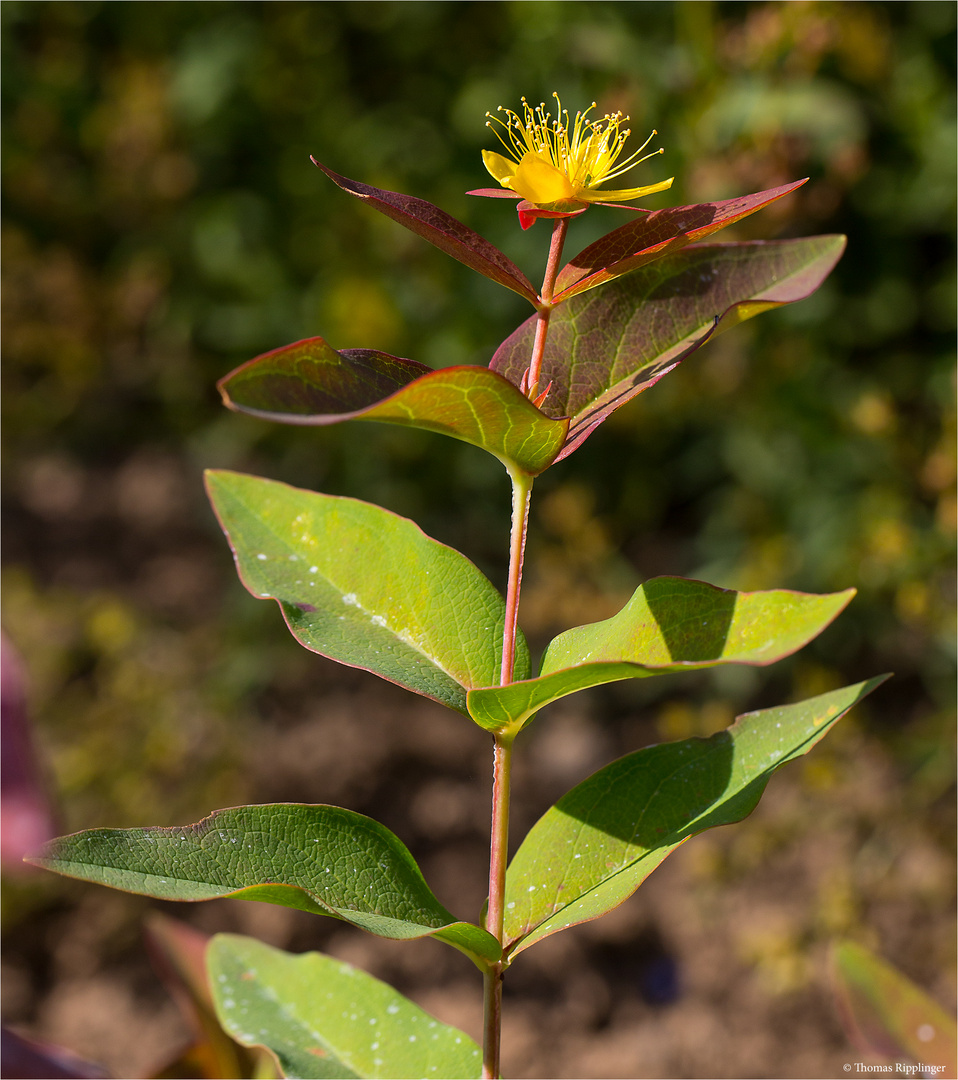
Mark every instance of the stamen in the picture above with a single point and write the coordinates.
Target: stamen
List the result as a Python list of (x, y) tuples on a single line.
[(585, 149)]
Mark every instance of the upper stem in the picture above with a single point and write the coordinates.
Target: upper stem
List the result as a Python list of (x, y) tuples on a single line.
[(545, 306)]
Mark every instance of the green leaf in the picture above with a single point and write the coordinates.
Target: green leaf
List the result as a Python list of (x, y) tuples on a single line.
[(671, 624), (606, 346), (366, 587), (321, 1017), (650, 237), (320, 859), (441, 229), (309, 382), (593, 849), (887, 1015)]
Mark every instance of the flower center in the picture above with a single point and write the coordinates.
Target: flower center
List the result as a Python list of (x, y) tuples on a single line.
[(585, 151)]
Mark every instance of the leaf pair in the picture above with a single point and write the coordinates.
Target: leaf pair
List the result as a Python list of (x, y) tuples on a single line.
[(617, 253), (368, 588), (585, 856), (599, 354)]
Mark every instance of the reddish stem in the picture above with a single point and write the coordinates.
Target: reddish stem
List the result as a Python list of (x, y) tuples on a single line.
[(531, 379), (502, 762)]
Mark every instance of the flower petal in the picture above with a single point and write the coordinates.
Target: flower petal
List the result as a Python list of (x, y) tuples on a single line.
[(500, 168), (540, 182), (594, 195)]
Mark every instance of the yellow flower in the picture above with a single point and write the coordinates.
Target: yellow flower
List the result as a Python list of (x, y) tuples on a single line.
[(557, 162)]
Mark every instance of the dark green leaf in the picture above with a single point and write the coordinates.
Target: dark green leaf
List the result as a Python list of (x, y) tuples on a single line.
[(595, 847), (671, 624), (606, 346), (321, 859), (366, 587), (320, 1017), (311, 383)]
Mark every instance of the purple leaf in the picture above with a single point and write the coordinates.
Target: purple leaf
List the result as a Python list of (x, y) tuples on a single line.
[(441, 229), (31, 1060), (311, 383), (662, 231), (605, 347)]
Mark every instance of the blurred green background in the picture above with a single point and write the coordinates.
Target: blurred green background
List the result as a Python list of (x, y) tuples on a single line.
[(162, 223)]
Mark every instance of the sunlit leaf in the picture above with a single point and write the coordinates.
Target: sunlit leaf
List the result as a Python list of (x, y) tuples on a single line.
[(606, 346), (321, 1017), (671, 624), (320, 859), (441, 229), (887, 1015), (655, 235), (366, 587), (309, 382), (595, 847)]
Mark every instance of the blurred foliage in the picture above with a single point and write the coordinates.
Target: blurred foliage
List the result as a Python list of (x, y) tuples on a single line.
[(163, 223)]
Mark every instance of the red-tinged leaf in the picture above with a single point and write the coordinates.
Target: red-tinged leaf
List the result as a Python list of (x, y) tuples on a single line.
[(441, 229), (178, 953), (311, 383), (529, 213), (660, 232), (605, 347), (27, 1058), (495, 193), (886, 1015)]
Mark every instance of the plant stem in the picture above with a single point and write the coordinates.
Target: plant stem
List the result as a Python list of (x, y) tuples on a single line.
[(521, 493), (502, 760), (545, 306), (498, 857), (501, 774)]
